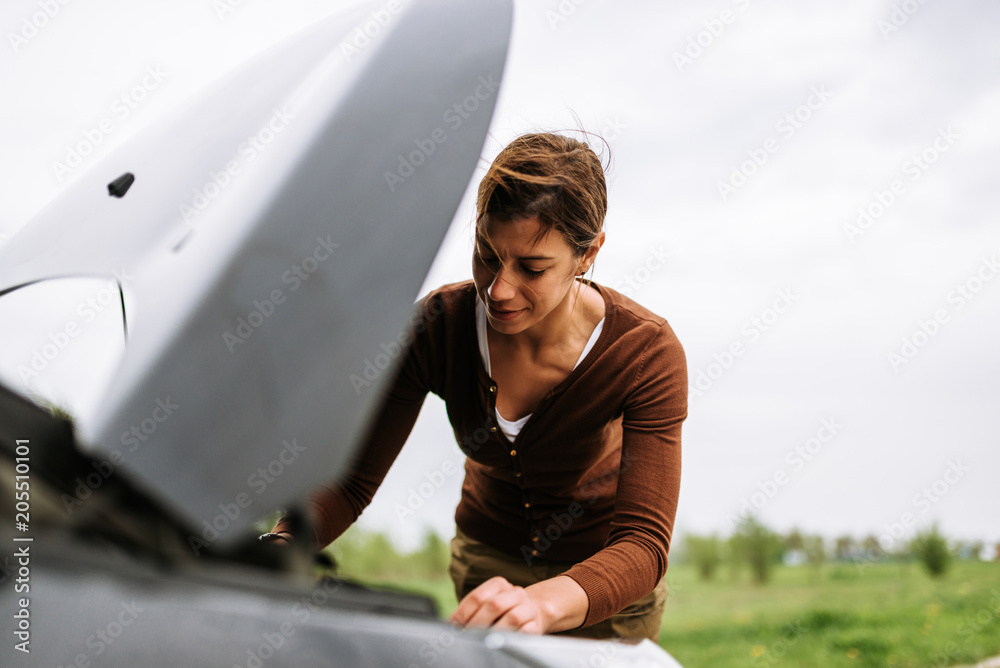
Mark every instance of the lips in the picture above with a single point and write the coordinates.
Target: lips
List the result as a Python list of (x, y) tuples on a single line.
[(502, 315)]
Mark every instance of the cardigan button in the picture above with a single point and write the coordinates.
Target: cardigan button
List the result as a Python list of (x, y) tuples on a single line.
[(534, 553), (527, 505), (513, 453), (493, 388), (517, 475), (493, 429)]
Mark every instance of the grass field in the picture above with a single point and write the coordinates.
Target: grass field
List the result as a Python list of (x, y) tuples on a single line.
[(884, 615)]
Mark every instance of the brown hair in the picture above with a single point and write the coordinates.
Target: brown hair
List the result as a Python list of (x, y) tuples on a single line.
[(556, 178)]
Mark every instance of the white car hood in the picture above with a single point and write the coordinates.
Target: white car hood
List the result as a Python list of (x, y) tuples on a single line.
[(275, 237)]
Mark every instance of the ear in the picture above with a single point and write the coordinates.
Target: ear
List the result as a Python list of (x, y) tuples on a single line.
[(587, 260)]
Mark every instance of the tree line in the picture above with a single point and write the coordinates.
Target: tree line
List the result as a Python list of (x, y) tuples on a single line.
[(754, 545)]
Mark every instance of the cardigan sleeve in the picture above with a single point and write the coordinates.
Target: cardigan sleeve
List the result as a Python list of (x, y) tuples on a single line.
[(634, 558), (335, 506)]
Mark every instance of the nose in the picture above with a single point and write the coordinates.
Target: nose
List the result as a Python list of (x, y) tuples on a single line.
[(500, 289)]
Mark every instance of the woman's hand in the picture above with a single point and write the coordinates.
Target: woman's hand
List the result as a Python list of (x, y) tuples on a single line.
[(279, 537), (552, 605), (502, 605)]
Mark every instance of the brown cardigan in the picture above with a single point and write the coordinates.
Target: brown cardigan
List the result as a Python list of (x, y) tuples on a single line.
[(593, 476)]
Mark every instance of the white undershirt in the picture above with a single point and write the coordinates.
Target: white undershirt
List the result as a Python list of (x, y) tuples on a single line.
[(510, 428)]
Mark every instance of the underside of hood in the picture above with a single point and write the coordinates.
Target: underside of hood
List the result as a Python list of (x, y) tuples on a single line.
[(274, 232)]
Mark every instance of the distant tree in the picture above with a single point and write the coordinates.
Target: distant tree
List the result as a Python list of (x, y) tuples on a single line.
[(931, 548), (969, 549), (794, 540), (362, 553), (844, 548), (366, 554), (733, 556), (871, 547), (380, 555), (759, 547), (706, 553), (815, 550), (433, 556)]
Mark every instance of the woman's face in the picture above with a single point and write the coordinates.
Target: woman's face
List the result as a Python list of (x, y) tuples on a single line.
[(522, 280)]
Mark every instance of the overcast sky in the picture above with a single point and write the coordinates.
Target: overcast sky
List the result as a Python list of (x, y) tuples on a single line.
[(806, 191)]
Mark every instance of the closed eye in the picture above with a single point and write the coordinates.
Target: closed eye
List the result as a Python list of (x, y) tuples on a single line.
[(493, 263)]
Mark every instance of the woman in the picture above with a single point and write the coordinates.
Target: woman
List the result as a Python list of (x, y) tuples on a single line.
[(568, 399)]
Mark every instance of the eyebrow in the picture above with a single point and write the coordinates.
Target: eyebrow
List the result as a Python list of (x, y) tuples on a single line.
[(527, 257)]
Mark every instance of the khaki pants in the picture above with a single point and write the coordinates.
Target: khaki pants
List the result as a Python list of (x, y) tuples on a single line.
[(473, 563)]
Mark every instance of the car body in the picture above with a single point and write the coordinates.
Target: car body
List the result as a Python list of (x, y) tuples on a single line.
[(275, 231)]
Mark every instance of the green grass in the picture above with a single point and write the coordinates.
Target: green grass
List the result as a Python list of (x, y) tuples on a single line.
[(890, 614), (887, 615)]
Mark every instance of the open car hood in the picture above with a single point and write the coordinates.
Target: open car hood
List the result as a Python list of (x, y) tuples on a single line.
[(274, 239)]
